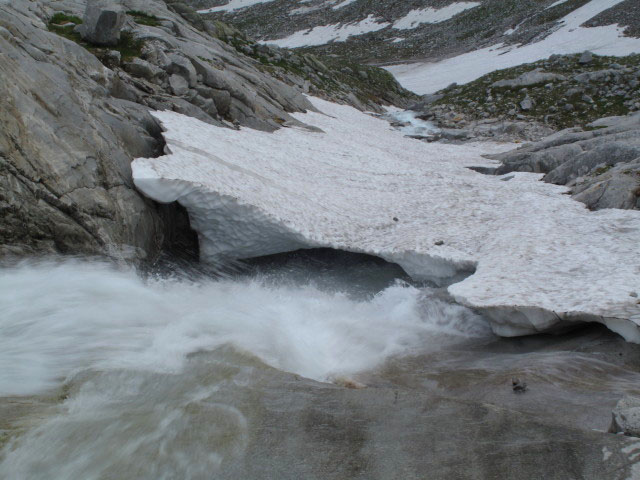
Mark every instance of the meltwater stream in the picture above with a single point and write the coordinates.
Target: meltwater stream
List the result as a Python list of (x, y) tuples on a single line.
[(107, 374)]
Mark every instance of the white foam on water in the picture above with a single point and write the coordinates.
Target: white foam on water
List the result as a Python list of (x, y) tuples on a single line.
[(60, 318)]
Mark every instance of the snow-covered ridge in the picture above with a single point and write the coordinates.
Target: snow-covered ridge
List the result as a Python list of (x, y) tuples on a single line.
[(425, 78), (329, 33), (540, 258), (432, 15)]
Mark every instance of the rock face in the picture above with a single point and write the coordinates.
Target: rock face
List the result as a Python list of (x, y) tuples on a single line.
[(103, 20), (600, 165), (362, 187), (626, 417), (72, 119)]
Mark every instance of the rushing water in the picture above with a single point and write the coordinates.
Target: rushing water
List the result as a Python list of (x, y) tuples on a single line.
[(108, 374)]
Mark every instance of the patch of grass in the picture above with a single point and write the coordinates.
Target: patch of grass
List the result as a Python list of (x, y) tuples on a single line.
[(479, 96), (143, 18), (128, 46), (62, 18)]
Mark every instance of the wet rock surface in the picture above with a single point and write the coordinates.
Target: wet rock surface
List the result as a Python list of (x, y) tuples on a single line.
[(451, 413)]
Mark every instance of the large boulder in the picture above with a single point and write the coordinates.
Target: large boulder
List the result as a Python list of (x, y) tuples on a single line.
[(103, 20)]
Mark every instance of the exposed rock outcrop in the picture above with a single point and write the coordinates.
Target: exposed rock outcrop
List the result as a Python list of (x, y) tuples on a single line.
[(600, 165), (74, 112)]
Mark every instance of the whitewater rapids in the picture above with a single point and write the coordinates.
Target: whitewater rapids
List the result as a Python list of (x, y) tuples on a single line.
[(106, 373)]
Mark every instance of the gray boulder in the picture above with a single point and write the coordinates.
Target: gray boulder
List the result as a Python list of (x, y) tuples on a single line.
[(102, 22), (586, 57), (180, 65), (527, 79), (526, 103), (602, 156), (618, 187), (626, 417), (178, 84), (141, 68)]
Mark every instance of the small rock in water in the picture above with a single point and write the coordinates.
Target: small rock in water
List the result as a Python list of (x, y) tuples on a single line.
[(518, 386), (439, 242), (395, 219), (626, 417)]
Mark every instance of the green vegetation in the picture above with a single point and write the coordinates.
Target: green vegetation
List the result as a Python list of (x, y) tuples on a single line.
[(142, 18), (561, 104), (128, 46), (62, 18)]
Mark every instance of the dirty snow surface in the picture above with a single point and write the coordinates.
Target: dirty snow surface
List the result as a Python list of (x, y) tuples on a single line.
[(540, 258), (425, 78)]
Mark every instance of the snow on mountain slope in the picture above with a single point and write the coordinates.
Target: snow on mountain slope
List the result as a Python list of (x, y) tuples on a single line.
[(425, 78), (432, 15), (539, 258), (328, 33), (233, 5)]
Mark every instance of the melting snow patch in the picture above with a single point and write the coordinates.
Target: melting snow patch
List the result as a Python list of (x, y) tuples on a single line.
[(539, 258), (343, 4), (425, 78), (234, 5), (328, 33), (432, 15), (555, 4)]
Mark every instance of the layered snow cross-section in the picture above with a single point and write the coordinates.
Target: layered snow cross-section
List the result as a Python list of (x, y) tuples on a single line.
[(538, 258)]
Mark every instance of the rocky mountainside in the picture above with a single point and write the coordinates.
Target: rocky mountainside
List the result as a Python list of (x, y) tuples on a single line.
[(74, 112), (383, 30)]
